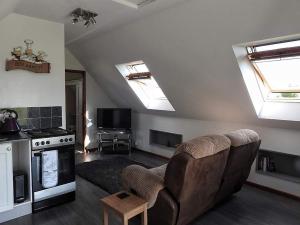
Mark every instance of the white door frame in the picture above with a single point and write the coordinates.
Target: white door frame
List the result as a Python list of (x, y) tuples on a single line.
[(79, 89)]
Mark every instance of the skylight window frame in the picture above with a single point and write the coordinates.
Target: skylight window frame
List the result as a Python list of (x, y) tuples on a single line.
[(261, 76), (274, 54), (266, 105), (269, 96), (255, 56), (139, 76), (267, 84), (257, 46)]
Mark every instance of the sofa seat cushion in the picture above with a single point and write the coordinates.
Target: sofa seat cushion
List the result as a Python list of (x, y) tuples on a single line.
[(204, 146), (146, 183), (242, 137)]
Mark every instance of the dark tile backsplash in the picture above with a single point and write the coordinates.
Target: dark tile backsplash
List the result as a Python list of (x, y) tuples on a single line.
[(34, 112), (39, 117), (34, 123), (56, 111), (56, 121), (46, 112), (46, 123)]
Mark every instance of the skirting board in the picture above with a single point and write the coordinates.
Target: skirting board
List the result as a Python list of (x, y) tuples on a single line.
[(151, 153), (135, 149), (18, 211), (264, 188)]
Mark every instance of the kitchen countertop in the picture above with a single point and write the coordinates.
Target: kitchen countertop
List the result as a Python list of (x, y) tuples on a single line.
[(13, 137)]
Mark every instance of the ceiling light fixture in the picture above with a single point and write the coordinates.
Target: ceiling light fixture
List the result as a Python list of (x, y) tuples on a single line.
[(87, 23), (82, 15)]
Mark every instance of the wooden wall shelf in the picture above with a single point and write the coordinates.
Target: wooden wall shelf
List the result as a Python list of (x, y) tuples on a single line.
[(29, 66)]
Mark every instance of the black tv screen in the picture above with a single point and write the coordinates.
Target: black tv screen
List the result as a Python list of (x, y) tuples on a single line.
[(114, 118)]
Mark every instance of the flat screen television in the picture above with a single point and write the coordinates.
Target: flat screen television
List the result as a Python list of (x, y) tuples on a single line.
[(114, 118)]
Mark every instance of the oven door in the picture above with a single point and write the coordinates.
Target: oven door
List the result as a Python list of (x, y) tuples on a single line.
[(66, 166)]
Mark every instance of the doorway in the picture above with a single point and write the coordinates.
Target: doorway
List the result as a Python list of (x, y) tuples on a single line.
[(75, 88)]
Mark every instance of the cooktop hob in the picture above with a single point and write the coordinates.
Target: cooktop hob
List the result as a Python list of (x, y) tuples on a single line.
[(52, 137), (51, 132)]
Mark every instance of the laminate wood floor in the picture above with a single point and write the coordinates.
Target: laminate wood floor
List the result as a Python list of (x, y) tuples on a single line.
[(250, 206)]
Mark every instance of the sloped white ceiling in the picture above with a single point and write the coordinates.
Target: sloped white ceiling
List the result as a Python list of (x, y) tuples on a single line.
[(110, 13), (7, 7), (188, 48)]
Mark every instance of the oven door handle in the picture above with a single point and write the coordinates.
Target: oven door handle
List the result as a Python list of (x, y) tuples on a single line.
[(38, 156)]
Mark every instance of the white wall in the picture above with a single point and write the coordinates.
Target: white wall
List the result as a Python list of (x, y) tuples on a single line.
[(281, 140), (95, 98), (7, 7), (19, 88)]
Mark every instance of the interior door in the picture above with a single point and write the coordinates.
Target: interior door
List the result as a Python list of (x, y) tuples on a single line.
[(74, 112), (6, 176), (71, 103)]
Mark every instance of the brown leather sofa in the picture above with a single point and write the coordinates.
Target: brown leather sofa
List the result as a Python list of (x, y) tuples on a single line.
[(202, 172), (243, 150)]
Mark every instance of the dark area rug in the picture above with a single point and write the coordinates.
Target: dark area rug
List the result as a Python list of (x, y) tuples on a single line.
[(105, 173)]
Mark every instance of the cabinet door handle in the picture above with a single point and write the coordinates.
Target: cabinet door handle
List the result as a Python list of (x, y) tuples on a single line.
[(8, 149)]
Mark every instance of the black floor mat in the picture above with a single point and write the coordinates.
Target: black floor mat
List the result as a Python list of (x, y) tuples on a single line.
[(105, 173)]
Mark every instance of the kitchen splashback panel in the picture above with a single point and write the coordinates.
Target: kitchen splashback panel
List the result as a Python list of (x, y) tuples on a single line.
[(39, 117)]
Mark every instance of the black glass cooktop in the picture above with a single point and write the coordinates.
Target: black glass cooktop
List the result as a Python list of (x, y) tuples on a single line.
[(51, 132)]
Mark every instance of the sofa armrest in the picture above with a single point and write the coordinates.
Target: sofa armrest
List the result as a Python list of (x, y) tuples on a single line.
[(164, 211), (144, 182)]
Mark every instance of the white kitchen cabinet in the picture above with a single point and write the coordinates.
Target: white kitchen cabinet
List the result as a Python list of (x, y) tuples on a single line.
[(6, 177), (14, 156)]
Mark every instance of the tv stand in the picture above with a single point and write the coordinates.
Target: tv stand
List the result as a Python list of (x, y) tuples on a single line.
[(116, 138)]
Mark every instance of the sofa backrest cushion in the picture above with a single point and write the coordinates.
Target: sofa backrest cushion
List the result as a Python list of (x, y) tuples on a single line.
[(204, 146), (244, 147), (242, 137)]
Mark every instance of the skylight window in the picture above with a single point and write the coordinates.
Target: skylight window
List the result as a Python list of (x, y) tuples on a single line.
[(278, 68), (145, 86), (136, 4)]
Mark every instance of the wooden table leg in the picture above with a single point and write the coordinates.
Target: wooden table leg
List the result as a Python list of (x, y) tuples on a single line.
[(105, 216), (145, 217), (125, 220)]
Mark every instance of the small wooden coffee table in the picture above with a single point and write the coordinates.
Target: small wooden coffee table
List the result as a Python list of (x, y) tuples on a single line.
[(125, 207)]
